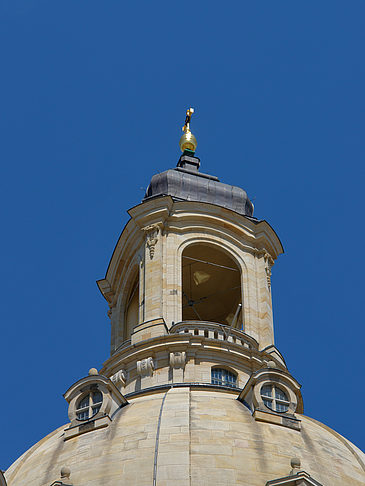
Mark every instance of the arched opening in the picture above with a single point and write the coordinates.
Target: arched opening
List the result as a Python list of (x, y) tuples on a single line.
[(211, 286), (222, 376), (131, 315)]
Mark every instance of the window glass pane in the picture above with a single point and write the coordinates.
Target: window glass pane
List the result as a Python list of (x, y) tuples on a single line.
[(83, 415), (280, 394), (281, 407), (96, 409), (268, 403), (97, 397), (230, 379), (266, 391), (223, 377), (216, 376), (84, 402)]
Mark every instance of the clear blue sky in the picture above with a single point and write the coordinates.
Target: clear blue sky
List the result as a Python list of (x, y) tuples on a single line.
[(93, 96)]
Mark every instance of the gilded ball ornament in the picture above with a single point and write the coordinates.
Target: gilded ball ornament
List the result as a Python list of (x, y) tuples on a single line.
[(188, 142)]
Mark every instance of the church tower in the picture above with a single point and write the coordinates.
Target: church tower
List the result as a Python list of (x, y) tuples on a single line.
[(194, 392)]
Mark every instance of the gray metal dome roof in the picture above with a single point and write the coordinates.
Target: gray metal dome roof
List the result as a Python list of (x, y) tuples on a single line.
[(186, 183)]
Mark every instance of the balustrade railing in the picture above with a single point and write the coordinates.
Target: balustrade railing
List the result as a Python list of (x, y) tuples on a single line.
[(212, 330)]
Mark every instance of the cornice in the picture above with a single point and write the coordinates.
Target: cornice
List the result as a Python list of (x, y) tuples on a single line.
[(192, 344), (165, 215)]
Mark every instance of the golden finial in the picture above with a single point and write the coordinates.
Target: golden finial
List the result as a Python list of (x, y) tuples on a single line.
[(187, 140)]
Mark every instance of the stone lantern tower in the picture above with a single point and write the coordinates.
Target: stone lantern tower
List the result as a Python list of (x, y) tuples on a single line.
[(195, 391)]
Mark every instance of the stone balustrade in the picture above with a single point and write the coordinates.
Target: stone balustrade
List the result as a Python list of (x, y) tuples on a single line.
[(213, 330)]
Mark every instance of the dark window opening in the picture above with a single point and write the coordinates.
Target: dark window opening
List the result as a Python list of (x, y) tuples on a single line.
[(211, 286), (221, 376), (132, 309)]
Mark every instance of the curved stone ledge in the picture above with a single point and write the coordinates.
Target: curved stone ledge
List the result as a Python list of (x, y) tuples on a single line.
[(212, 330), (204, 345), (168, 386)]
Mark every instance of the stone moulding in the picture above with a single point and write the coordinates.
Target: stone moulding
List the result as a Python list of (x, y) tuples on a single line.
[(148, 330), (153, 215), (299, 479), (210, 339)]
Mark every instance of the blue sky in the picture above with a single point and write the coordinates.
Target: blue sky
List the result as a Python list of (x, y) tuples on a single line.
[(93, 96)]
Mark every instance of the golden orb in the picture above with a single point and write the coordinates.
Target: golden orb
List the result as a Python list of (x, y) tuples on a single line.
[(188, 141)]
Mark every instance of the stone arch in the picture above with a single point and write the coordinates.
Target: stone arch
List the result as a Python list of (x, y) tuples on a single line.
[(128, 305), (225, 246), (211, 283), (131, 305), (229, 377)]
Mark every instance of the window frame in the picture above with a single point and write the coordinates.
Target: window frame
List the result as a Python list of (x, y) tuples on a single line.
[(92, 408), (275, 402), (224, 381)]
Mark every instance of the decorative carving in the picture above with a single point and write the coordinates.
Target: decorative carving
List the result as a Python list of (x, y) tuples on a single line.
[(112, 308), (178, 360), (145, 367), (152, 232), (119, 378), (269, 262)]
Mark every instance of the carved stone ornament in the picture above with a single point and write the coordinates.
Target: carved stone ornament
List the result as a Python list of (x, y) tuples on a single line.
[(269, 262), (152, 232), (145, 367), (119, 378), (178, 360)]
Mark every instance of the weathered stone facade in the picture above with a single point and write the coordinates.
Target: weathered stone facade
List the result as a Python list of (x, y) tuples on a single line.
[(203, 437)]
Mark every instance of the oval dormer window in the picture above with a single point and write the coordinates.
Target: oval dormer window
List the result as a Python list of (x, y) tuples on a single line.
[(274, 398), (89, 405)]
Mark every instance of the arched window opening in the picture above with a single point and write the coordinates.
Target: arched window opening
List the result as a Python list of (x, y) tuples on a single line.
[(132, 309), (275, 398), (211, 286), (89, 405), (221, 376)]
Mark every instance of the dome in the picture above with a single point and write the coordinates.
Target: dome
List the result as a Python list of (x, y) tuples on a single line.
[(195, 391), (190, 436), (185, 182)]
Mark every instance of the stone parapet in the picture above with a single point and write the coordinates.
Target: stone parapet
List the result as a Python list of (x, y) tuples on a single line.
[(212, 330)]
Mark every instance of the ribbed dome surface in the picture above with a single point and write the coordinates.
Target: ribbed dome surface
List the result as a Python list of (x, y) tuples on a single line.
[(190, 437)]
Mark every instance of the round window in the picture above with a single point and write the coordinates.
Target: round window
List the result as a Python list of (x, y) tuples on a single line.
[(274, 398), (89, 405)]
